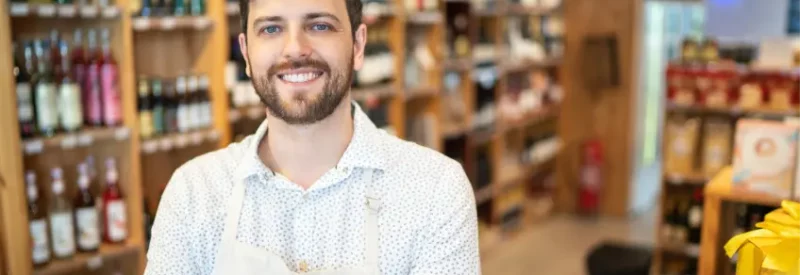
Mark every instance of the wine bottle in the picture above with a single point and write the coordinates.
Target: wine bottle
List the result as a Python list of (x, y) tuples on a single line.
[(193, 102), (740, 225), (171, 107), (157, 106), (55, 54), (112, 109), (69, 95), (87, 226), (179, 8), (114, 210), (197, 7), (695, 216), (205, 103), (61, 226), (78, 62), (22, 71), (37, 221), (46, 100), (183, 105), (145, 113), (679, 223), (92, 98)]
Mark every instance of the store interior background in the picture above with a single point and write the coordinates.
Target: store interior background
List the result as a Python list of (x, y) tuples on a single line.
[(557, 109)]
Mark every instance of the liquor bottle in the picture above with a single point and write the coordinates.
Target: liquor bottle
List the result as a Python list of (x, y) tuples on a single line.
[(45, 94), (195, 104), (695, 216), (197, 7), (145, 114), (114, 213), (157, 104), (112, 109), (681, 228), (69, 95), (179, 8), (92, 98), (205, 105), (741, 223), (170, 107), (183, 106), (22, 73), (37, 222), (55, 53), (78, 62), (146, 8), (87, 226), (61, 227)]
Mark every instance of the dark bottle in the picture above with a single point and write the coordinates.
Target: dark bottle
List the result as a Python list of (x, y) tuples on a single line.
[(92, 98), (45, 93), (679, 222), (171, 108), (22, 74), (87, 225), (741, 223), (37, 222), (55, 54), (157, 101), (144, 109), (179, 8), (695, 217), (78, 62), (146, 9)]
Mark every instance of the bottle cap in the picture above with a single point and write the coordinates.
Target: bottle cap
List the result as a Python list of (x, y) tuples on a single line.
[(83, 176), (58, 184), (111, 171), (30, 180)]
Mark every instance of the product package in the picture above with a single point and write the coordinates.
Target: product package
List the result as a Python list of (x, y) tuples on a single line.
[(717, 134), (681, 144), (681, 88), (765, 157)]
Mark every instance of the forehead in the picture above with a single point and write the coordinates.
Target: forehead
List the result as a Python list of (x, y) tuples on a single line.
[(297, 8)]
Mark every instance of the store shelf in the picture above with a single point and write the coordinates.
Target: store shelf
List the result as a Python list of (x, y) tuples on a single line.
[(90, 261), (171, 23), (377, 91), (179, 141), (82, 138), (732, 111), (527, 64), (249, 112), (685, 179), (721, 187), (424, 18), (62, 11), (420, 92)]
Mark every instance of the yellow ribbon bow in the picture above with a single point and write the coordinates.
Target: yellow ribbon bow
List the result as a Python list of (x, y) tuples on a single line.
[(775, 246)]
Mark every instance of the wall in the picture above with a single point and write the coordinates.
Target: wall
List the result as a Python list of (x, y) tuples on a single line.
[(746, 20)]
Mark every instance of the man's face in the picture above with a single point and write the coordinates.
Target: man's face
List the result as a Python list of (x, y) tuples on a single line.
[(301, 55)]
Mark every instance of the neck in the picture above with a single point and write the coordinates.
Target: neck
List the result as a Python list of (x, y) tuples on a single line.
[(303, 153)]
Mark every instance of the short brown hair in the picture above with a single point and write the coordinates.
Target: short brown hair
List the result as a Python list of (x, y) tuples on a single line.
[(353, 11)]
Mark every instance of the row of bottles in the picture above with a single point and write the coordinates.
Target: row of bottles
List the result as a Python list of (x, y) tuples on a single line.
[(59, 228), (683, 218), (458, 21), (62, 87), (172, 8), (173, 105), (378, 65)]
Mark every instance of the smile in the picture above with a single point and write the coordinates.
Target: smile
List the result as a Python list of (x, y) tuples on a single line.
[(300, 77)]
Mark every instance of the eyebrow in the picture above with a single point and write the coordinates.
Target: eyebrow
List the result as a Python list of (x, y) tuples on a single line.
[(313, 15)]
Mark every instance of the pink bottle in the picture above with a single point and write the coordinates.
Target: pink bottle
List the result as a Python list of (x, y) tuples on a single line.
[(92, 103), (112, 110)]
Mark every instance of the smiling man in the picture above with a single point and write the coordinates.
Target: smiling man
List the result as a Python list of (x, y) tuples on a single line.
[(318, 188)]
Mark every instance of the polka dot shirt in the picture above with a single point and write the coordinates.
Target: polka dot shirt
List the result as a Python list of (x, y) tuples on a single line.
[(427, 225)]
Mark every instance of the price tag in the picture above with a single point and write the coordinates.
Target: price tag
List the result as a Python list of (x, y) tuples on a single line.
[(90, 12), (150, 146), (47, 10), (256, 113), (676, 179), (201, 23), (213, 135), (34, 147), (234, 115), (197, 138), (141, 23), (181, 141), (67, 11), (168, 23), (69, 142), (122, 133), (110, 12), (165, 144), (94, 263), (85, 140), (19, 9)]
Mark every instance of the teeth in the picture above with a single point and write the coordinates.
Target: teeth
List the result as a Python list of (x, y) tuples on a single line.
[(297, 78)]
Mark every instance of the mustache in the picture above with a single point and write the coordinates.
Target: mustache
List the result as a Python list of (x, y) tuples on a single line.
[(299, 63)]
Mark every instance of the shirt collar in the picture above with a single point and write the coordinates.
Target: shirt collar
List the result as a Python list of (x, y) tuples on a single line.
[(364, 150)]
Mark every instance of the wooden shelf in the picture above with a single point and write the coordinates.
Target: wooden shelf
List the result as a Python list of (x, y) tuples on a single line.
[(732, 111), (685, 179), (424, 18), (721, 187), (82, 138), (171, 23), (377, 91), (61, 11), (88, 261), (179, 140)]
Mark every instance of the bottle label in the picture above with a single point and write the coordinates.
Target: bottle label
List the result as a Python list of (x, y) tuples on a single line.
[(111, 100), (46, 106), (695, 217), (183, 118), (92, 103), (61, 231), (206, 114), (39, 245), (69, 100), (117, 221), (195, 115), (158, 119), (146, 124), (88, 235), (24, 102)]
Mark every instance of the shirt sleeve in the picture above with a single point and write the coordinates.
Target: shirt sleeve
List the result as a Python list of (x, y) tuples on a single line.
[(170, 250), (449, 244)]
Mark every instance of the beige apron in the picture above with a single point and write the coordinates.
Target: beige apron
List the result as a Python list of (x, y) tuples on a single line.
[(236, 258)]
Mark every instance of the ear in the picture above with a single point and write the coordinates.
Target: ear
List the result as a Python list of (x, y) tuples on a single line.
[(243, 49), (359, 43)]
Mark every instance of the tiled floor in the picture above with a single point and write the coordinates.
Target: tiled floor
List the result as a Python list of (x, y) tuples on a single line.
[(559, 246)]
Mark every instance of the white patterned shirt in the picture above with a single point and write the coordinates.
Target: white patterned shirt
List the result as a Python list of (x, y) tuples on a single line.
[(427, 224)]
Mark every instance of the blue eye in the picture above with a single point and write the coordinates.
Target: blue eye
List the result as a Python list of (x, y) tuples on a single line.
[(271, 29), (320, 27)]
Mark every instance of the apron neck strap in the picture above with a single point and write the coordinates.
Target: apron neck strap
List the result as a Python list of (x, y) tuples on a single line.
[(234, 211), (373, 205)]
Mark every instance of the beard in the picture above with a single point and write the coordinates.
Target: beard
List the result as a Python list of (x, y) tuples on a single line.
[(303, 109)]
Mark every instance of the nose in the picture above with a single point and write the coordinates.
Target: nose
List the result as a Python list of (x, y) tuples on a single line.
[(297, 46)]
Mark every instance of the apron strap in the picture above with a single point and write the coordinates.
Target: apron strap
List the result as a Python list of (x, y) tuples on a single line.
[(234, 212), (373, 203)]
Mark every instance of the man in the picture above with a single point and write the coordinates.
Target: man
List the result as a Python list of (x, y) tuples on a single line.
[(318, 188)]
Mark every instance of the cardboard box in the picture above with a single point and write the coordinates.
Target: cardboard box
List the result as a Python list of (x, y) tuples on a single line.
[(765, 157)]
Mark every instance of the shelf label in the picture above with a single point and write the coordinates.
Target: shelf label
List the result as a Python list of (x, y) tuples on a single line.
[(181, 141), (85, 140), (19, 9), (67, 11), (110, 12), (197, 138), (213, 135), (201, 23), (122, 133), (69, 142), (165, 144), (34, 147), (168, 23), (675, 178), (94, 263), (141, 23), (88, 11), (47, 10), (149, 146)]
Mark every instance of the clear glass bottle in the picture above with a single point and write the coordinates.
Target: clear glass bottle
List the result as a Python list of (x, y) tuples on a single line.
[(193, 102), (183, 105), (45, 93), (69, 95), (87, 226), (61, 227), (114, 210), (205, 103), (22, 71), (37, 221)]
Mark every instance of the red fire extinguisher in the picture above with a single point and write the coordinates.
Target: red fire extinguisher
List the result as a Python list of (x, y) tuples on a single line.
[(591, 178)]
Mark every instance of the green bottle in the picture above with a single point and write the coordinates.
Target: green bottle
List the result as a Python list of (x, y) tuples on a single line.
[(180, 8), (197, 7)]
